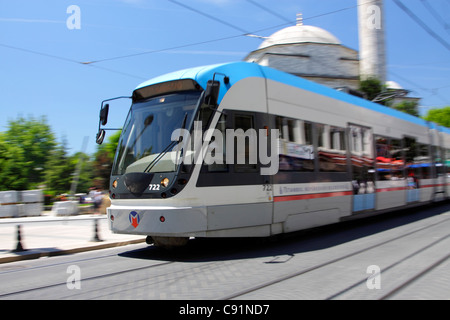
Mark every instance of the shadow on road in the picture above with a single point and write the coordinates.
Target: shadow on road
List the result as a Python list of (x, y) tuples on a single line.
[(220, 249)]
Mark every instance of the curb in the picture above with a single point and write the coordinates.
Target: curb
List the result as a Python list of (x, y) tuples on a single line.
[(36, 254)]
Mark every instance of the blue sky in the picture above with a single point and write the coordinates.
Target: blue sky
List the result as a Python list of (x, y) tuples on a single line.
[(40, 57)]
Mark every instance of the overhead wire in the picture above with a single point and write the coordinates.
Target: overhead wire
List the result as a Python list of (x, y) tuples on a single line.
[(432, 91), (268, 10), (68, 60), (242, 31), (209, 16), (436, 15), (242, 34), (422, 24), (161, 50), (38, 53)]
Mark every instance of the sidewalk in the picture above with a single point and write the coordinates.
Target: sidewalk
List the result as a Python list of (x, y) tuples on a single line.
[(46, 235)]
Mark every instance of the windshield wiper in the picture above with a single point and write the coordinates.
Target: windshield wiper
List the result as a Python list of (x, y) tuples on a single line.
[(166, 149)]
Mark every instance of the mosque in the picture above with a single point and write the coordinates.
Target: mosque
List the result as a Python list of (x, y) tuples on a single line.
[(311, 53), (315, 54)]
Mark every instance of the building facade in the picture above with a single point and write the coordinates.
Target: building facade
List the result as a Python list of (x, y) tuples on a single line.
[(311, 53)]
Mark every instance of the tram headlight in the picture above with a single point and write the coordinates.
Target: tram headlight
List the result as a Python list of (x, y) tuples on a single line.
[(165, 182)]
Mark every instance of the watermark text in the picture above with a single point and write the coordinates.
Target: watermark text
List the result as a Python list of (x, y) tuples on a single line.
[(74, 279), (236, 146), (374, 279), (74, 20), (373, 17)]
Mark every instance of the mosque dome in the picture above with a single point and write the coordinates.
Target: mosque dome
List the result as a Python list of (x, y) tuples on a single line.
[(309, 52), (393, 85), (300, 34)]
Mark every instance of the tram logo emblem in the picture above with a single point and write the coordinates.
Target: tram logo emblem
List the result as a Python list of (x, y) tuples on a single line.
[(134, 218)]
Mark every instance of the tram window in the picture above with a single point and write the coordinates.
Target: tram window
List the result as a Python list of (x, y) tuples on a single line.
[(294, 130), (279, 126), (362, 159), (447, 161), (412, 164), (398, 163), (249, 151), (437, 158), (204, 114), (332, 149), (425, 161), (296, 146), (390, 161), (383, 158), (219, 156), (285, 128)]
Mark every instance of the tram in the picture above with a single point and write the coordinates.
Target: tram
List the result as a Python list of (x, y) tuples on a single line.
[(243, 150)]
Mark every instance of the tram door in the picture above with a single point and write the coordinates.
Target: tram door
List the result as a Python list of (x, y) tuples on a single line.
[(413, 165), (438, 159), (363, 171), (439, 173)]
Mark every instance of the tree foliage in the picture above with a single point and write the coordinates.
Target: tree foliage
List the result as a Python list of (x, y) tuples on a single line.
[(59, 173), (410, 107), (440, 116), (11, 160), (372, 87), (25, 149), (103, 162), (86, 173), (30, 158)]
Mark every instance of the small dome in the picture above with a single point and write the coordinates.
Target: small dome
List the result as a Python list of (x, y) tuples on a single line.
[(393, 85), (300, 34)]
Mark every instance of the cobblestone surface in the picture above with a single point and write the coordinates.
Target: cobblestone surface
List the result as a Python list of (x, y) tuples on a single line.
[(331, 263)]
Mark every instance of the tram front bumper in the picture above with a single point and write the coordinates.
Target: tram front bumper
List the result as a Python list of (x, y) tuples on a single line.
[(158, 221)]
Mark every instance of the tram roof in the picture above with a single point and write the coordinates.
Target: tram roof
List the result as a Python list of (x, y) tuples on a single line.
[(237, 71)]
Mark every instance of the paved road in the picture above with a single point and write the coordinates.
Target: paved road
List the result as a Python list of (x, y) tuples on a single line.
[(47, 235), (397, 256)]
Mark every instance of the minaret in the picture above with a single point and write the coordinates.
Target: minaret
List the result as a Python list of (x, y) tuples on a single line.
[(372, 51), (299, 19)]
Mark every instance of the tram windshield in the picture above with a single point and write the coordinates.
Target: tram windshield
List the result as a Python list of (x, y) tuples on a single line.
[(145, 144)]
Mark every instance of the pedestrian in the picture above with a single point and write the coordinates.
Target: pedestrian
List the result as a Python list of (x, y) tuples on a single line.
[(97, 198)]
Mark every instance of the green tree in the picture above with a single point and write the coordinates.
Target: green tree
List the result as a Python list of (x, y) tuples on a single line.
[(25, 149), (11, 156), (86, 173), (372, 87), (59, 171), (103, 162), (440, 116), (410, 107)]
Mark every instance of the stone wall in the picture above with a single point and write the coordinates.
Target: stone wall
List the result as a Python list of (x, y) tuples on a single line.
[(21, 203)]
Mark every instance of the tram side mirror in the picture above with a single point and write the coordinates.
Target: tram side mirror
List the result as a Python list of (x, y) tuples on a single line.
[(212, 92), (104, 115), (100, 136)]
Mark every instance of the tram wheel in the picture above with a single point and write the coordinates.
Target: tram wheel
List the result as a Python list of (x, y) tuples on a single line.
[(170, 242)]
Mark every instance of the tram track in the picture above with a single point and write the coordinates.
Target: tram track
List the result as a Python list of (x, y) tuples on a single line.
[(182, 268), (414, 278), (290, 276), (404, 259), (156, 275), (111, 274)]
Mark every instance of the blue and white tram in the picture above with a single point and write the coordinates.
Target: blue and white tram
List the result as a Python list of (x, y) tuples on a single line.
[(324, 156)]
